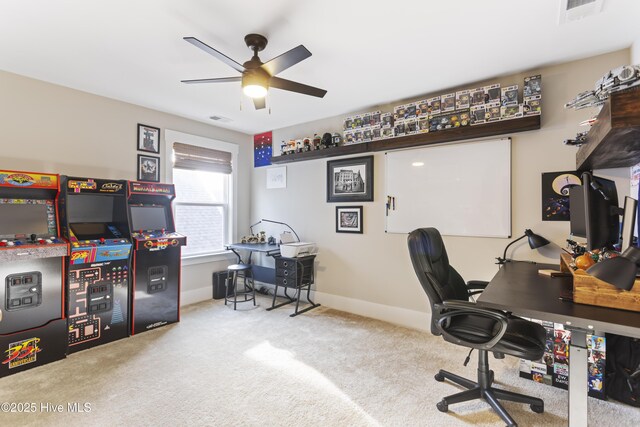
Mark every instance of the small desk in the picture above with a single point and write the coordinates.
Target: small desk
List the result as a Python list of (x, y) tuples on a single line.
[(260, 273), (519, 289)]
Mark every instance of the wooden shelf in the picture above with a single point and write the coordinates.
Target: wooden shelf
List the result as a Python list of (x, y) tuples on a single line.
[(457, 134), (342, 150), (614, 140)]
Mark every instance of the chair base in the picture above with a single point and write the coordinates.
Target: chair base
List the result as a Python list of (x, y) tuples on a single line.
[(483, 390)]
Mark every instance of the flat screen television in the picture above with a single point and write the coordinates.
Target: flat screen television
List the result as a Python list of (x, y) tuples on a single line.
[(147, 217)]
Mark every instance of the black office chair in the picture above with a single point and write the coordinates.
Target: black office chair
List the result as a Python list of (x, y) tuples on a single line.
[(462, 322)]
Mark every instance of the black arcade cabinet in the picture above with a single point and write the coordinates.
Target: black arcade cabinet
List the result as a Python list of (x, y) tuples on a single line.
[(156, 256), (94, 219), (32, 324)]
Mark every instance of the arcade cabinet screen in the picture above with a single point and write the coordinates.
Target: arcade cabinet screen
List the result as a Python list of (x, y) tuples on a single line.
[(23, 219), (148, 218), (90, 208), (90, 230)]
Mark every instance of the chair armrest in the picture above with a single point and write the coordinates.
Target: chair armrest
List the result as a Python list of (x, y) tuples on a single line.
[(477, 284), (452, 308)]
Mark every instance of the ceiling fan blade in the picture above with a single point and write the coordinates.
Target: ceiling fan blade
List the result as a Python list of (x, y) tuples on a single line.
[(218, 80), (289, 85), (286, 60), (211, 51), (259, 103)]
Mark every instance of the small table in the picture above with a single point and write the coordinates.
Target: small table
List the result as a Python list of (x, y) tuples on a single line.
[(519, 289), (260, 273)]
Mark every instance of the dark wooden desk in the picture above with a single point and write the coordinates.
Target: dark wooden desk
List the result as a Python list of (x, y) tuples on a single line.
[(260, 273), (519, 289)]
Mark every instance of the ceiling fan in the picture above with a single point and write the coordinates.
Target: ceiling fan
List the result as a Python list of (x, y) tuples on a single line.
[(257, 77)]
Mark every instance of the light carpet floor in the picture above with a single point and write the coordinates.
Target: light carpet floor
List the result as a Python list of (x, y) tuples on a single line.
[(251, 367)]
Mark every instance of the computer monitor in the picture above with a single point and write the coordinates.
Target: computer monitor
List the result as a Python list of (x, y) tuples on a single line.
[(601, 212)]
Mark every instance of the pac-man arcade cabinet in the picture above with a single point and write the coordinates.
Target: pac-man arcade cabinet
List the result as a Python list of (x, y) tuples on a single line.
[(94, 220), (156, 256), (32, 323)]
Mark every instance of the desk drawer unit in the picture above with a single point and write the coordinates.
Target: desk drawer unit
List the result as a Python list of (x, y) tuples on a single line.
[(292, 272)]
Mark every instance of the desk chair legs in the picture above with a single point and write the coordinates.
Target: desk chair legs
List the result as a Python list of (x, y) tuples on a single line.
[(483, 390)]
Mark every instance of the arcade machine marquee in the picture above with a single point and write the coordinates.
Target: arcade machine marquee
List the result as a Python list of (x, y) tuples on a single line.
[(98, 281), (156, 258), (32, 324)]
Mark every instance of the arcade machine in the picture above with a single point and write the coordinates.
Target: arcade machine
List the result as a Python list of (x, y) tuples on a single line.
[(94, 219), (156, 256), (32, 323)]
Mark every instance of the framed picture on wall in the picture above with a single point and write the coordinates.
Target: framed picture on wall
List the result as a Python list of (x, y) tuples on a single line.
[(350, 180), (349, 219), (148, 138), (148, 168)]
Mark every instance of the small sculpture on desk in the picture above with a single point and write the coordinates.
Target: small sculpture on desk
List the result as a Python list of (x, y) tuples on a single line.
[(272, 241), (262, 237)]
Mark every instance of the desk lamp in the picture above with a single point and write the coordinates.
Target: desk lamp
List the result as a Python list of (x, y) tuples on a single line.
[(535, 242), (619, 271), (282, 223)]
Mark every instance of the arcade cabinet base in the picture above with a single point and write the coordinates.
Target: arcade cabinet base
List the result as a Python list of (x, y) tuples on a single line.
[(25, 350)]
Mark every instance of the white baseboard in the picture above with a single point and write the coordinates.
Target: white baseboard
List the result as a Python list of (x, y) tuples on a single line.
[(399, 316), (195, 295), (396, 315)]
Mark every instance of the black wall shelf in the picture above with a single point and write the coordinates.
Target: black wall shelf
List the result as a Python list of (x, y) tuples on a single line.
[(457, 134)]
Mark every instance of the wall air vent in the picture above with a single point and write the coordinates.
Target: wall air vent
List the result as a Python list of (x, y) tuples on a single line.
[(575, 10), (220, 119)]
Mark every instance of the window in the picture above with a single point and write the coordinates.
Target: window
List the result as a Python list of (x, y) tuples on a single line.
[(201, 207), (204, 178)]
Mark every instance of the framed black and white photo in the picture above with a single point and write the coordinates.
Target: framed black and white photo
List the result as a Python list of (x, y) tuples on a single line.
[(148, 138), (148, 168), (349, 219), (350, 180)]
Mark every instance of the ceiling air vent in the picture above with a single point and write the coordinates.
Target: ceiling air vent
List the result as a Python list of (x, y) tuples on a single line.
[(575, 10), (220, 119)]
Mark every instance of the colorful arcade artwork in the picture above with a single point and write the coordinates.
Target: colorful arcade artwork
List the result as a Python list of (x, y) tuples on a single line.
[(555, 194), (553, 368), (262, 149)]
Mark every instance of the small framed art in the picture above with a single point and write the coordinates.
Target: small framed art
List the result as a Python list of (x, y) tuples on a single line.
[(349, 219), (148, 168), (148, 138)]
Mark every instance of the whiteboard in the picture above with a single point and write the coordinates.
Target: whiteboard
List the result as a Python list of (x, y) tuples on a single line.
[(462, 189)]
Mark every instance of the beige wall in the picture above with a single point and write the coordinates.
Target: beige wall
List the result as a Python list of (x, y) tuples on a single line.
[(371, 273), (50, 128)]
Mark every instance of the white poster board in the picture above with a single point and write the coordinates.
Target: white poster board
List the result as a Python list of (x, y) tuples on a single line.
[(462, 189)]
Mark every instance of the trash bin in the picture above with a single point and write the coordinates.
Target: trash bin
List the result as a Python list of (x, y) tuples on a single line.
[(219, 284)]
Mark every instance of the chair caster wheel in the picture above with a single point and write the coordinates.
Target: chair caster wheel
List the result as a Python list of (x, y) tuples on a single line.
[(442, 406), (538, 409), (439, 377)]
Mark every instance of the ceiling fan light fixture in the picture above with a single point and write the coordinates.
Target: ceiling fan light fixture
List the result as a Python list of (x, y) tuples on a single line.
[(254, 84), (255, 91)]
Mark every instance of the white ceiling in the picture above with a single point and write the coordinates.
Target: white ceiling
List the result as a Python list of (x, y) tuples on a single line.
[(364, 52)]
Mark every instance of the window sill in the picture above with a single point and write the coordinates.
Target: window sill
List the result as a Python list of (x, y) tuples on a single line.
[(203, 259)]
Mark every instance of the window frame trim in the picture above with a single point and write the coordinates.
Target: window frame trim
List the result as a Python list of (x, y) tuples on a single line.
[(171, 136)]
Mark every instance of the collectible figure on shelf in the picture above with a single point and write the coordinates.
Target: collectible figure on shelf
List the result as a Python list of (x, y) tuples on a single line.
[(493, 113), (387, 132), (422, 109), (386, 120), (336, 139), (423, 124), (375, 118), (511, 112), (326, 141), (410, 126), (315, 143), (478, 115), (398, 129), (477, 96), (492, 94), (510, 95), (434, 105), (532, 86), (366, 134), (306, 144), (532, 106), (348, 123), (448, 102), (410, 111), (375, 132), (463, 100)]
